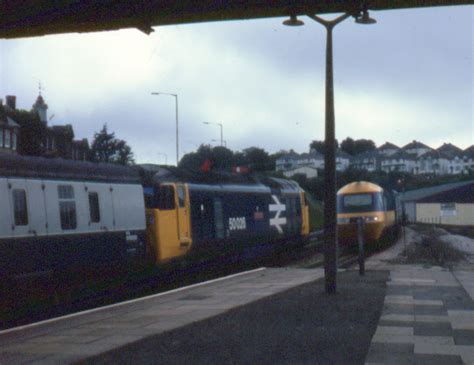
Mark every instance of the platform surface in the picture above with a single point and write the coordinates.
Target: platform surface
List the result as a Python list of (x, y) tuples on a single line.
[(76, 337)]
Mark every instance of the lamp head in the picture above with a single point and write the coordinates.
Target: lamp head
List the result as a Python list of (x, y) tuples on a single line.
[(293, 21), (365, 18)]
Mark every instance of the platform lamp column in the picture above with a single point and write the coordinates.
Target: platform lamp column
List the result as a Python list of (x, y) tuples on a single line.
[(330, 214), (222, 130), (177, 121)]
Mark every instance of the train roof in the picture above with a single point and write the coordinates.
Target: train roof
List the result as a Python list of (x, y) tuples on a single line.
[(58, 168), (157, 174), (360, 187)]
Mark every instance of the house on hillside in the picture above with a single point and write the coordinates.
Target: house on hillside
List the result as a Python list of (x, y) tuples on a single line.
[(388, 149), (433, 163), (455, 158), (308, 171), (399, 161), (313, 159), (468, 159), (343, 160), (416, 148), (369, 161), (287, 162)]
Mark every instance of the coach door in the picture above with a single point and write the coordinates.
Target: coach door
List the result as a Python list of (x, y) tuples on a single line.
[(183, 215)]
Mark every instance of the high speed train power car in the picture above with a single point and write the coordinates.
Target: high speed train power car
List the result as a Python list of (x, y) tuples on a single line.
[(59, 216), (368, 201)]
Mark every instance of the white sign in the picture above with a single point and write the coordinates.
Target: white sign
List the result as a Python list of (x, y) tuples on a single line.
[(448, 210), (278, 207), (237, 223)]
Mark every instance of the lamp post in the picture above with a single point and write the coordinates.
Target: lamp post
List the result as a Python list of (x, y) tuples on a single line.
[(330, 213), (177, 131), (222, 128), (222, 142), (163, 154)]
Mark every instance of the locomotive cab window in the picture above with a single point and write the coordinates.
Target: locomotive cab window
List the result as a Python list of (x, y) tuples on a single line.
[(181, 195), (67, 207), (19, 207), (94, 209), (165, 198)]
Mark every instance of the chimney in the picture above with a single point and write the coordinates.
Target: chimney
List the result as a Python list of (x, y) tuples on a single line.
[(11, 101)]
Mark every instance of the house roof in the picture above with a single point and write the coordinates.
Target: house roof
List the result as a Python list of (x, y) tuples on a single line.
[(9, 122), (462, 194), (400, 155), (450, 150), (435, 154), (415, 144), (289, 156), (366, 154), (343, 154), (388, 146), (313, 154), (469, 151)]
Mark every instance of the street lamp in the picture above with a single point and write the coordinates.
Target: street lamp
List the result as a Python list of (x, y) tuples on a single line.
[(221, 141), (163, 154), (177, 134), (330, 213), (220, 125)]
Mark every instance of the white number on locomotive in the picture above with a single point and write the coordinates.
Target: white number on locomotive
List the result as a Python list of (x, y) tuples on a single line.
[(237, 223)]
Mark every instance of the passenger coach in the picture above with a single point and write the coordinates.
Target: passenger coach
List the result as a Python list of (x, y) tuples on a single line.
[(59, 215)]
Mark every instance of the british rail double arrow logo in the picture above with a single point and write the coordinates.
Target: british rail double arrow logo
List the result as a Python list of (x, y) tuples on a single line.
[(278, 207)]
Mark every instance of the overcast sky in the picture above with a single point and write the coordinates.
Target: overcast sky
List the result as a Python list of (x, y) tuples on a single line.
[(410, 76)]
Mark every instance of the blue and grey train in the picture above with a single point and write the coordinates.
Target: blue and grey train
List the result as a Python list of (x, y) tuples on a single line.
[(61, 216)]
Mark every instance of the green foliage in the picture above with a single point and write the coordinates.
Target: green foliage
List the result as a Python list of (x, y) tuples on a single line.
[(354, 147), (106, 148), (224, 159), (319, 146)]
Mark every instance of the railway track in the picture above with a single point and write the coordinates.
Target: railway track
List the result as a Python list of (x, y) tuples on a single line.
[(307, 256)]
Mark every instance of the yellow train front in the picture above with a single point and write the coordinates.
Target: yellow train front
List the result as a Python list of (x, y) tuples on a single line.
[(368, 201)]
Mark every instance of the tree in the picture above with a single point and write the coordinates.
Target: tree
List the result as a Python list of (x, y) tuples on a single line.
[(106, 148), (354, 147), (318, 146), (257, 159), (348, 145)]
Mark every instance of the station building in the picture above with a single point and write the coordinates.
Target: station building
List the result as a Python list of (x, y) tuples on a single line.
[(454, 207)]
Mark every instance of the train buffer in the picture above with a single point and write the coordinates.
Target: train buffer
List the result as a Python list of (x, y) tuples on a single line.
[(83, 335)]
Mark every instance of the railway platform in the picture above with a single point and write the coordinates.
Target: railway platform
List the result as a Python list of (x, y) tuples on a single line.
[(87, 334), (395, 314)]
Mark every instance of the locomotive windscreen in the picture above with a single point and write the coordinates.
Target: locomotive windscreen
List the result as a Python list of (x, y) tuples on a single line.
[(358, 203)]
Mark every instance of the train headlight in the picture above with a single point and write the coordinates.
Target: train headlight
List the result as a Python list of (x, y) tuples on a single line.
[(371, 219), (343, 220)]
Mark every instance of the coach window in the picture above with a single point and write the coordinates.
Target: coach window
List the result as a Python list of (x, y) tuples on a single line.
[(19, 207), (67, 207), (166, 197), (1, 137), (181, 195), (94, 209)]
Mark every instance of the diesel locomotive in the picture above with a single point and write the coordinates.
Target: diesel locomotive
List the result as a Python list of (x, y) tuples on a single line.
[(59, 216), (370, 202)]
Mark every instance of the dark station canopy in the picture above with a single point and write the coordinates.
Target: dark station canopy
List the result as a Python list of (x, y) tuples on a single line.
[(29, 18)]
